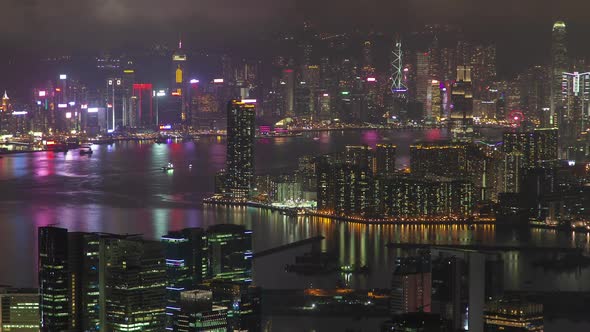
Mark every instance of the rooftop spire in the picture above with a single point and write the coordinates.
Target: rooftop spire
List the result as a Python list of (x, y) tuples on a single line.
[(5, 95)]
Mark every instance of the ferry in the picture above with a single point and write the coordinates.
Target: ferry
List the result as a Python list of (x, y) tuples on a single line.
[(86, 151), (168, 167)]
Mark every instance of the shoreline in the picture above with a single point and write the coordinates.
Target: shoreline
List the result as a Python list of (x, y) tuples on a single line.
[(295, 212)]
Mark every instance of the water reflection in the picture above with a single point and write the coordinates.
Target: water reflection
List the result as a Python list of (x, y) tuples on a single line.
[(120, 189)]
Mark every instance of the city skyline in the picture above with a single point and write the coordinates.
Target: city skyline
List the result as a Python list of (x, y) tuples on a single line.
[(294, 166)]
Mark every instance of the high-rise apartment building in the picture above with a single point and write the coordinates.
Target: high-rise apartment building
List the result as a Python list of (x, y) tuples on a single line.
[(384, 160), (240, 147), (411, 285)]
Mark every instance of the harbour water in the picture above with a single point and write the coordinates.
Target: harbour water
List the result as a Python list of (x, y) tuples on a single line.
[(122, 189)]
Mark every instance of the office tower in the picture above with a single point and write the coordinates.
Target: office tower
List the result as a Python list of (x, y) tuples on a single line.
[(434, 107), (230, 252), (197, 313), (116, 101), (483, 62), (187, 260), (422, 80), (242, 301), (132, 276), (83, 290), (240, 147), (372, 104), (398, 109), (128, 78), (19, 310), (324, 106), (303, 100), (53, 279), (192, 98), (142, 105), (513, 315), (368, 64), (5, 114), (98, 282), (462, 97), (288, 92), (536, 86), (411, 285), (559, 65), (384, 160)]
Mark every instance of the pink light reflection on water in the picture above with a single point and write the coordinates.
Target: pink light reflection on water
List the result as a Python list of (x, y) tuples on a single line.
[(370, 137), (433, 135)]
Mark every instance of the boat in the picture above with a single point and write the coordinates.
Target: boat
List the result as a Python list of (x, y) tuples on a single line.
[(86, 151), (316, 138), (168, 167)]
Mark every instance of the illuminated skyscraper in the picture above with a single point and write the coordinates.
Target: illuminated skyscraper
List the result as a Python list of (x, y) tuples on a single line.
[(132, 284), (559, 65), (288, 91), (179, 81), (462, 104), (422, 80), (462, 95), (53, 279), (115, 102), (240, 147), (230, 252), (197, 313), (142, 105), (186, 265), (5, 114), (83, 290)]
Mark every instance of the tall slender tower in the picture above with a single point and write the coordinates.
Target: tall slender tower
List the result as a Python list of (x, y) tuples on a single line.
[(240, 147), (179, 82), (559, 64)]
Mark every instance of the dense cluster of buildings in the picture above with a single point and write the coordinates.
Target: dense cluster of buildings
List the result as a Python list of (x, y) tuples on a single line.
[(434, 76), (520, 178), (455, 290), (191, 280)]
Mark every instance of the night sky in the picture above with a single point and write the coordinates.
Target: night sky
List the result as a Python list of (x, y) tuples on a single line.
[(111, 22)]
